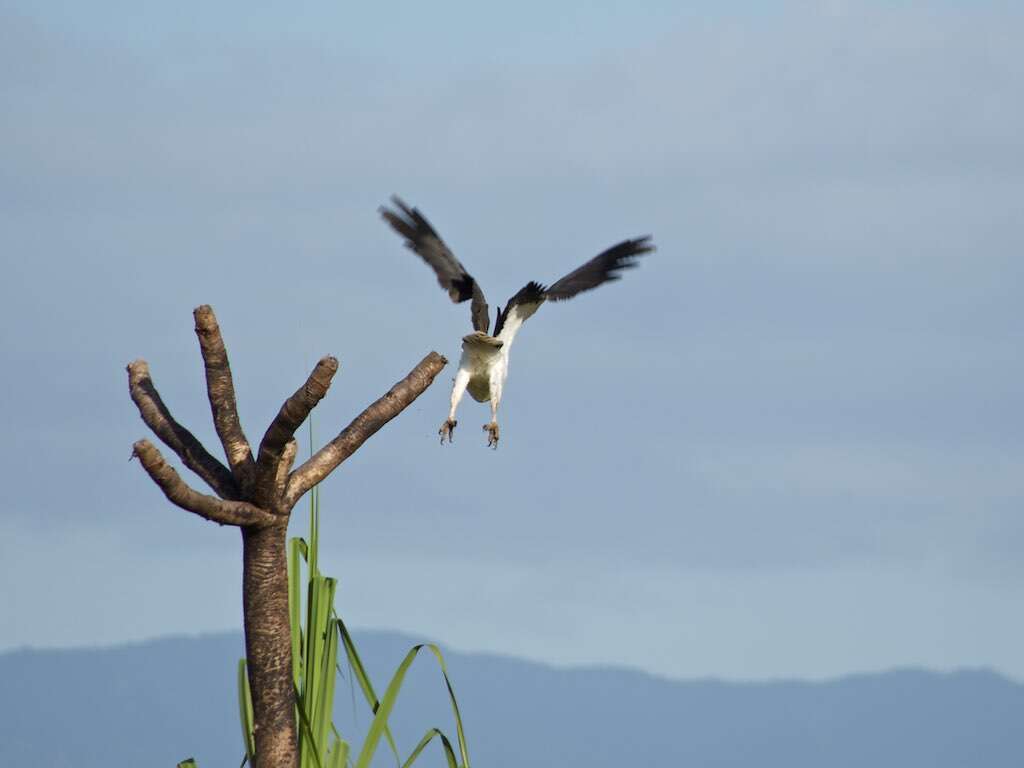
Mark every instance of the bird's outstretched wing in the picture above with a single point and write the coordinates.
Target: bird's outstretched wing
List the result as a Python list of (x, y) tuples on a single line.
[(422, 240), (603, 268)]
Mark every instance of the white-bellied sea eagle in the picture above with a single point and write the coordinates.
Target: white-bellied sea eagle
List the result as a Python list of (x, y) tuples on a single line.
[(483, 367)]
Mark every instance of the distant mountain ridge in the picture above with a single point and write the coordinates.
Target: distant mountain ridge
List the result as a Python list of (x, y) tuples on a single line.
[(154, 703)]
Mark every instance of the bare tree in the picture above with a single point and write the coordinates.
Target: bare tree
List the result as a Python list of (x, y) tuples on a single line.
[(257, 495)]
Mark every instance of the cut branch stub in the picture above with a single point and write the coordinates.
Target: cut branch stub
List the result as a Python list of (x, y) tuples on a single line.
[(270, 474), (375, 416), (191, 452), (221, 390), (295, 411)]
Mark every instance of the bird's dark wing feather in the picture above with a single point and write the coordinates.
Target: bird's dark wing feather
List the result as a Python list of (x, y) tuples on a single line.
[(602, 268), (422, 240)]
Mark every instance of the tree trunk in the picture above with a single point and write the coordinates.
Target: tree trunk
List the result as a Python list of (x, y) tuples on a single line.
[(268, 645)]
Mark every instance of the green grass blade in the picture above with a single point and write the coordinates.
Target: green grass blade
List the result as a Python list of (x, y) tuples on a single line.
[(310, 679), (463, 749), (359, 672), (314, 531), (338, 755), (296, 553), (380, 717), (314, 517), (245, 710), (318, 617), (446, 745), (387, 704), (325, 702), (307, 747)]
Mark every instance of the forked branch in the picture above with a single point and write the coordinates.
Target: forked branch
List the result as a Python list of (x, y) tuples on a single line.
[(268, 486), (158, 418)]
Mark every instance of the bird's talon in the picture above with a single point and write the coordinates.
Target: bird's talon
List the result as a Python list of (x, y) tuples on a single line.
[(447, 430), (492, 434)]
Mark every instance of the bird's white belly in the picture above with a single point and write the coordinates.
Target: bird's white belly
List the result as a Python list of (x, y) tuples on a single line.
[(485, 364)]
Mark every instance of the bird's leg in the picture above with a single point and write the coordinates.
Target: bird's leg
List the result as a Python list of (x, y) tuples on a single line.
[(458, 390), (492, 428)]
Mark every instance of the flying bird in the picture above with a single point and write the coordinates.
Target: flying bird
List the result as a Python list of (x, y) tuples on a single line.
[(483, 367)]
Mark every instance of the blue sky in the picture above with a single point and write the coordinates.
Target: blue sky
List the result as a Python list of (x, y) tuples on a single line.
[(790, 444)]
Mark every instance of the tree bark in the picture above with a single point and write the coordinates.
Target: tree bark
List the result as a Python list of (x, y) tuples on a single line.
[(268, 644)]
